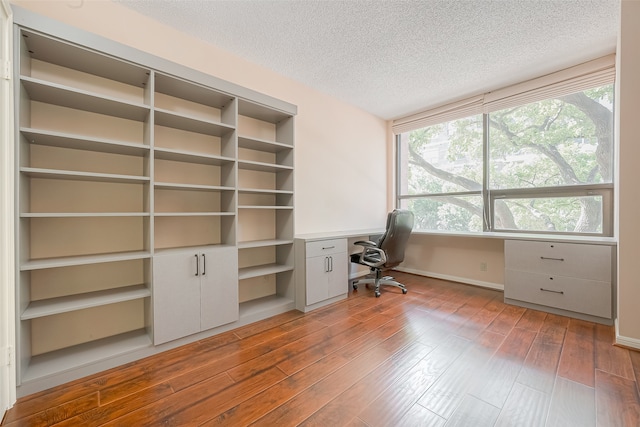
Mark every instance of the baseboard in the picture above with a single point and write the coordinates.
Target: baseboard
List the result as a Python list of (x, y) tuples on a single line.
[(633, 343), (464, 280)]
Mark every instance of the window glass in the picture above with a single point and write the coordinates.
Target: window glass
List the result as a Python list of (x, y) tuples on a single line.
[(446, 213)]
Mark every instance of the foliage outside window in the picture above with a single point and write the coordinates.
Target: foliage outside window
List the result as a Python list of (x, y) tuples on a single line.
[(546, 166)]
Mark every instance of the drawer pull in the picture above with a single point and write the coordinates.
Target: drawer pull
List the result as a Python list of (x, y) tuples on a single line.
[(552, 259), (551, 290), (328, 247)]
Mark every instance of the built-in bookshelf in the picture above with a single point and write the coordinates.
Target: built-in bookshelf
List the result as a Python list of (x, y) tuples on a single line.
[(125, 161)]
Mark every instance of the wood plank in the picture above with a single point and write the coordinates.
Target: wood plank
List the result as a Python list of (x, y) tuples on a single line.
[(524, 406), (419, 416), (474, 412), (396, 400), (617, 402), (572, 404), (609, 357), (532, 320), (577, 361), (540, 366), (56, 414), (500, 373), (507, 320)]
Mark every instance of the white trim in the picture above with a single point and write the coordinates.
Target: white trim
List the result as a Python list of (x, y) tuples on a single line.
[(465, 280), (626, 341), (7, 231)]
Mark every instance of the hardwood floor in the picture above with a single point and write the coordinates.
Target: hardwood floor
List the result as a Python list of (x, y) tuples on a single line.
[(444, 354)]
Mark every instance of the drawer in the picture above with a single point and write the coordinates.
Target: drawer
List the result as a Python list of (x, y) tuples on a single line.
[(566, 293), (326, 247), (585, 261)]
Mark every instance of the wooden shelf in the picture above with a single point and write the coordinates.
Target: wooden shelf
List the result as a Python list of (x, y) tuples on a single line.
[(39, 264), (262, 167), (59, 305), (85, 354), (266, 207), (82, 214), (190, 157), (65, 96), (264, 243), (262, 270), (263, 191), (80, 142), (191, 187), (262, 144), (82, 176), (167, 214), (190, 123)]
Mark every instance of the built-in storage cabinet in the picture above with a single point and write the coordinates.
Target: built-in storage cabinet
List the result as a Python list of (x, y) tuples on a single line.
[(153, 204), (194, 291), (322, 272), (574, 279)]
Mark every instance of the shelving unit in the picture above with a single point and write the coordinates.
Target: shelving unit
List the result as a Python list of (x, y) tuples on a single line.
[(265, 210), (147, 192)]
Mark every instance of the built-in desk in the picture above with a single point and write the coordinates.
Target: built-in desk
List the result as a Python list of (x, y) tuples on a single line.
[(322, 266)]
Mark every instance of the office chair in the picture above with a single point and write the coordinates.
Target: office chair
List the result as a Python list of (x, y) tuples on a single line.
[(387, 253)]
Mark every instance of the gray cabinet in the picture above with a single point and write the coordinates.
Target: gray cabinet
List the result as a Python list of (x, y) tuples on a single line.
[(194, 290), (324, 276), (566, 278)]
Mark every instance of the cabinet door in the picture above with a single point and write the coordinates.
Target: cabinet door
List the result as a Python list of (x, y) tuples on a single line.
[(219, 286), (317, 279), (176, 296), (338, 283)]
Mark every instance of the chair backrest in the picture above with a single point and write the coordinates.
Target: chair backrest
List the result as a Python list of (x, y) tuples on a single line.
[(394, 240)]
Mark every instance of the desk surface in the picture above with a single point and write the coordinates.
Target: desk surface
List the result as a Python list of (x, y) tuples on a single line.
[(344, 234)]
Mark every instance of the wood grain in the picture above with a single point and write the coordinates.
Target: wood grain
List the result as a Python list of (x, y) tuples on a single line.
[(443, 354)]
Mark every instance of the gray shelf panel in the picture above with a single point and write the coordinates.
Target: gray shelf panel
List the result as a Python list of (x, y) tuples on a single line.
[(262, 167), (263, 191), (39, 264), (85, 354), (168, 214), (265, 207), (264, 243), (82, 176), (79, 142), (65, 96), (261, 112), (65, 304), (191, 157), (82, 214), (190, 123), (262, 144), (66, 55), (191, 187), (262, 270), (192, 92)]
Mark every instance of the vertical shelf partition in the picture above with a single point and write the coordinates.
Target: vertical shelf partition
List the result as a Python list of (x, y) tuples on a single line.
[(146, 193)]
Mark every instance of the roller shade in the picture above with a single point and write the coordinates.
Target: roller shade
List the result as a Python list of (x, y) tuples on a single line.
[(456, 110), (584, 76)]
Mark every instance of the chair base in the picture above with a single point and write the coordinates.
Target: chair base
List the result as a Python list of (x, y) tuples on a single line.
[(380, 281)]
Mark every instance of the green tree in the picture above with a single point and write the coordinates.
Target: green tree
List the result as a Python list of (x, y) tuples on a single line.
[(557, 142)]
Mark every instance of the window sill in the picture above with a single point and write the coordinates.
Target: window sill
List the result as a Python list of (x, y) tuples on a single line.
[(564, 238)]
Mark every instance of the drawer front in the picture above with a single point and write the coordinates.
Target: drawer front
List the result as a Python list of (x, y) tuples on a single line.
[(326, 247), (591, 262), (566, 293)]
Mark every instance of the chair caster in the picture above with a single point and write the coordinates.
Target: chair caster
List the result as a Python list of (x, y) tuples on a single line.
[(355, 286), (404, 291), (377, 294)]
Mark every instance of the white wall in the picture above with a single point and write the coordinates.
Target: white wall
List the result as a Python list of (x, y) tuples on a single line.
[(628, 138), (340, 152)]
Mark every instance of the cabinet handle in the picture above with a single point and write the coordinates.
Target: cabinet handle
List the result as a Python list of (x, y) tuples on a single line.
[(552, 259), (204, 265), (197, 265), (328, 247), (551, 290), (330, 263), (326, 264)]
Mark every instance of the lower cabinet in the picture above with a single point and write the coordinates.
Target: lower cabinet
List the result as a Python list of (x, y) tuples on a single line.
[(324, 276), (194, 290), (573, 279)]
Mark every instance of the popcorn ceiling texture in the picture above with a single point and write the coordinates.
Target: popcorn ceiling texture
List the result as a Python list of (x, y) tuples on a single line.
[(393, 58)]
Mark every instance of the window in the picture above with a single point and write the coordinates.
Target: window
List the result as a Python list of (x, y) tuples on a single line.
[(540, 166)]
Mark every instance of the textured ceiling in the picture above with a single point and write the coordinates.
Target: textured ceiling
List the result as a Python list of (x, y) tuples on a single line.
[(391, 57)]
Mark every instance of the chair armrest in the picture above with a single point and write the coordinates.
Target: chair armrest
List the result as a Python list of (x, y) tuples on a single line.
[(366, 243), (372, 257)]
